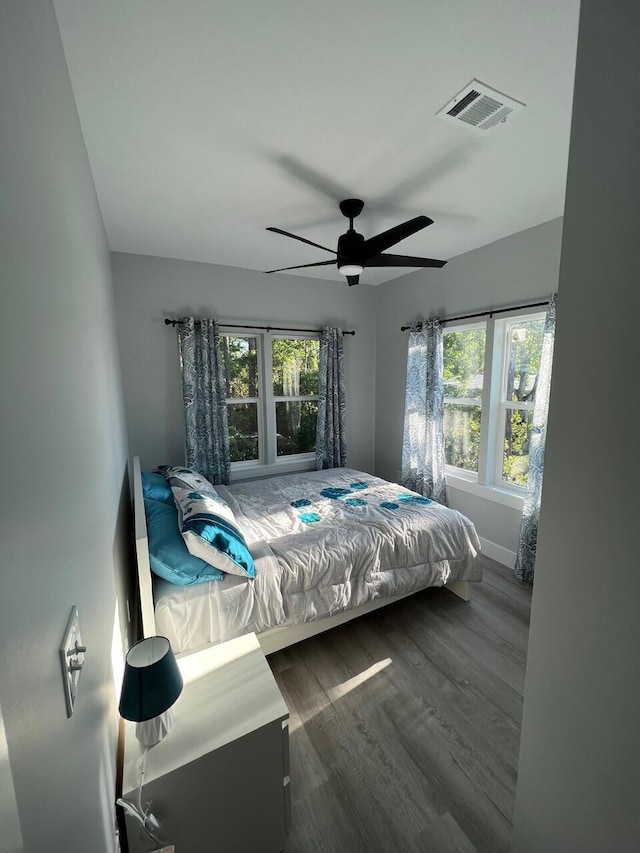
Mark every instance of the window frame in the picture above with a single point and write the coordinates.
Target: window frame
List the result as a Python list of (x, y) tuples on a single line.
[(488, 482), (504, 405), (272, 399), (454, 470), (268, 461)]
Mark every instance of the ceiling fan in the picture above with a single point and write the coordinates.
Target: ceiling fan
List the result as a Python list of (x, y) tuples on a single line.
[(354, 253)]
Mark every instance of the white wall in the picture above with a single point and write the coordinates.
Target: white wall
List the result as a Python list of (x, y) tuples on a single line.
[(579, 775), (63, 449), (519, 269), (149, 289), (10, 832)]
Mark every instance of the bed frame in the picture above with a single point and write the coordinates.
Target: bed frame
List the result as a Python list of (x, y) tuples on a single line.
[(275, 638)]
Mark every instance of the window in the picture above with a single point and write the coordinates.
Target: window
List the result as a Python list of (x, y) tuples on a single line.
[(463, 383), (490, 375), (275, 420), (242, 382), (522, 349), (295, 394)]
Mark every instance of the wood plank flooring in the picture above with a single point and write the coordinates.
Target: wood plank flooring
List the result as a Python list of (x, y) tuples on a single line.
[(405, 724)]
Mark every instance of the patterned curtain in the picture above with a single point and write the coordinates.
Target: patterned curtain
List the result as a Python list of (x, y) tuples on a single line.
[(204, 396), (526, 557), (423, 440), (331, 437)]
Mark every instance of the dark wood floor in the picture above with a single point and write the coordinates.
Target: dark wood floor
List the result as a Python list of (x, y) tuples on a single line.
[(405, 724)]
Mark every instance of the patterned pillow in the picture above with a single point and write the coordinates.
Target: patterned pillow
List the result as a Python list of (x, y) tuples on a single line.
[(209, 529), (185, 478)]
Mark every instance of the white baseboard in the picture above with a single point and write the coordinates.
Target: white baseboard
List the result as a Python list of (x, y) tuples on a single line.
[(497, 552)]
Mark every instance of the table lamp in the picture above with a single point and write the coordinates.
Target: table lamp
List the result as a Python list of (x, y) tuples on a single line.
[(152, 682)]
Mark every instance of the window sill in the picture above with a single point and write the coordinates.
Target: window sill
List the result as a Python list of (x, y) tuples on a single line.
[(489, 493), (260, 470)]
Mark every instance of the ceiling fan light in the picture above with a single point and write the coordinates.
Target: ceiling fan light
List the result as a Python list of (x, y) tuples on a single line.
[(351, 269)]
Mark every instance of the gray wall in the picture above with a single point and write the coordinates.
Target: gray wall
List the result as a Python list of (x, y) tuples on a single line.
[(63, 450), (578, 782), (519, 269), (149, 289)]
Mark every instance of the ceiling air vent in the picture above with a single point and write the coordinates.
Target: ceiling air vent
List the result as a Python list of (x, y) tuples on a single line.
[(479, 108)]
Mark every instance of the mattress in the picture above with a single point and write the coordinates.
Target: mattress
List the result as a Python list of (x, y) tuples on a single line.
[(323, 542)]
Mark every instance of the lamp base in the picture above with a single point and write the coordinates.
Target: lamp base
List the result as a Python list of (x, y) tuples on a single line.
[(151, 732)]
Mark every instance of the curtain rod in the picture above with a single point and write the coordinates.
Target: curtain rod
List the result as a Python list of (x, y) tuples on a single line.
[(169, 322), (487, 313)]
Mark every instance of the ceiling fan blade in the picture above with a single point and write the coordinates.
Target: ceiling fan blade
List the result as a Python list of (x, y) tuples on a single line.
[(302, 240), (301, 267), (377, 244), (353, 279), (402, 261)]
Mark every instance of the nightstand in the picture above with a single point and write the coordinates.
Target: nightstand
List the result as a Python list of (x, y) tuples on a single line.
[(219, 781)]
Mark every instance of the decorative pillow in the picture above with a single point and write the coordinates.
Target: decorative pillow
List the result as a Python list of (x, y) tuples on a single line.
[(210, 532), (169, 557), (156, 488), (186, 478)]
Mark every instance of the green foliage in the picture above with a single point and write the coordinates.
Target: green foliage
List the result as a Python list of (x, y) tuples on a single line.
[(240, 362), (296, 426), (243, 431), (463, 371), (462, 435), (295, 366), (463, 361), (242, 447), (525, 349), (515, 465)]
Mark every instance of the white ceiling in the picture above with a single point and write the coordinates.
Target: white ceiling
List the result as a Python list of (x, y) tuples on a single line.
[(207, 120)]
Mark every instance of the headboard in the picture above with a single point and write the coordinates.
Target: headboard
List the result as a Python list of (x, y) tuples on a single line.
[(145, 586)]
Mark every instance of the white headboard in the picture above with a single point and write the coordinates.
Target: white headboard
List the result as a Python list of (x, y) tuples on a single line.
[(142, 554)]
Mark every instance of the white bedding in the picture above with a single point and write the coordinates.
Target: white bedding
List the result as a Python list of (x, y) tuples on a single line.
[(307, 570)]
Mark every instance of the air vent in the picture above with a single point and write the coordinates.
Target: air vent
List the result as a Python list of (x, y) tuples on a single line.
[(479, 108)]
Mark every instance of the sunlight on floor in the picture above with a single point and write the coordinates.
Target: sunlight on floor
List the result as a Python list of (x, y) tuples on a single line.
[(333, 694), (352, 683)]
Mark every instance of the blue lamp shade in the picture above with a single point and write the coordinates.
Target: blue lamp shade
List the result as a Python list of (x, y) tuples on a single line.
[(152, 681)]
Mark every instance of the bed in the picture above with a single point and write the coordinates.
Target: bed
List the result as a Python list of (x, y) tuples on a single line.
[(327, 546)]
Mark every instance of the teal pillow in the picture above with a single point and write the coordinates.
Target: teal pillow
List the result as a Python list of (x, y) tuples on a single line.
[(155, 487), (168, 555)]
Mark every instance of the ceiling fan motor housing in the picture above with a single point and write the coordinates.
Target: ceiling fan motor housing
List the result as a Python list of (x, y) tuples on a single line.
[(351, 247)]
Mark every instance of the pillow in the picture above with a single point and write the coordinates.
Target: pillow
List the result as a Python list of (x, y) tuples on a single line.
[(210, 532), (168, 555), (156, 488), (185, 478)]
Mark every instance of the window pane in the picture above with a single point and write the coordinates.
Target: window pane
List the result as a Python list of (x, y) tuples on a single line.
[(240, 364), (463, 362), (524, 339), (243, 431), (517, 434), (296, 426), (295, 366), (462, 435)]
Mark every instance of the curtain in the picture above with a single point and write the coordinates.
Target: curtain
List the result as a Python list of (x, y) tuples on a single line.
[(331, 439), (526, 557), (204, 397), (423, 439)]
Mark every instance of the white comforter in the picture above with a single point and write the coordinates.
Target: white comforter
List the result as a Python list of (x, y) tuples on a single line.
[(333, 553)]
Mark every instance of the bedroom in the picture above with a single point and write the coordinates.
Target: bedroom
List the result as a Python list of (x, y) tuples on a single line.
[(73, 419)]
